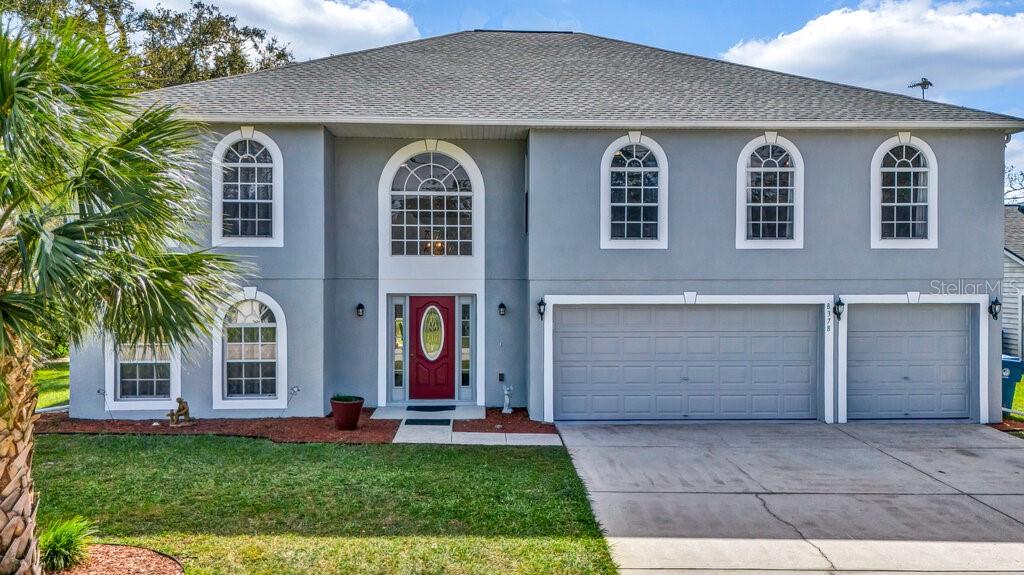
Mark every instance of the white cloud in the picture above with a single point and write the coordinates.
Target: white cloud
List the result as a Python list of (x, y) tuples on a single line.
[(887, 45), (315, 28)]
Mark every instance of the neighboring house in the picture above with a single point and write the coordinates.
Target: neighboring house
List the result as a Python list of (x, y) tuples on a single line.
[(617, 231), (1013, 278)]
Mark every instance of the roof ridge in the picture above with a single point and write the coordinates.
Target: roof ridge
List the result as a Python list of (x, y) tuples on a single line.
[(798, 76)]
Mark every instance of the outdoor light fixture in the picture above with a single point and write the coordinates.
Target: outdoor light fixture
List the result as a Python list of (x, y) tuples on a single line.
[(838, 308), (542, 306), (994, 308), (502, 308), (360, 310)]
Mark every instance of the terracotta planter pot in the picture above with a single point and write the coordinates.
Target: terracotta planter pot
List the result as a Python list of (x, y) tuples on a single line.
[(346, 413)]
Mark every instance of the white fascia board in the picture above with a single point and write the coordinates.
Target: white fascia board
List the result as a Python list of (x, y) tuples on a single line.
[(1010, 126)]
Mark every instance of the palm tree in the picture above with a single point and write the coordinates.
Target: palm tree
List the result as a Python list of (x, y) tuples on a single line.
[(93, 190)]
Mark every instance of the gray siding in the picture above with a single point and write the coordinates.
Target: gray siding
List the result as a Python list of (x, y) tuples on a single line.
[(565, 254), (352, 265), (292, 275), (329, 261), (1013, 287)]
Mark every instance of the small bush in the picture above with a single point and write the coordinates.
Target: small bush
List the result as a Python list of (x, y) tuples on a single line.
[(345, 398), (65, 544)]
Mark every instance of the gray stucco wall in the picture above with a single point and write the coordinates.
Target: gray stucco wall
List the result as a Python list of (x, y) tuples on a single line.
[(329, 261), (292, 275), (565, 254), (351, 233)]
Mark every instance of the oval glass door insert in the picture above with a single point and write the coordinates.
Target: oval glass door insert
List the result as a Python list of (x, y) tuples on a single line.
[(432, 333)]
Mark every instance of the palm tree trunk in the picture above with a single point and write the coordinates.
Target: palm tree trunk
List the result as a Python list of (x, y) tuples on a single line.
[(19, 554)]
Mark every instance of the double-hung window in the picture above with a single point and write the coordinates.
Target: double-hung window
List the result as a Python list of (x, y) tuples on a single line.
[(769, 195), (248, 207), (904, 194)]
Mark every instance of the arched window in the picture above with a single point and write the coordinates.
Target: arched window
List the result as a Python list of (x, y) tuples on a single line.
[(247, 191), (633, 206), (249, 358), (769, 194), (431, 207), (903, 195), (250, 350)]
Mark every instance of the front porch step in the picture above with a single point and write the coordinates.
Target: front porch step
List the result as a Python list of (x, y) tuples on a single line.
[(402, 412)]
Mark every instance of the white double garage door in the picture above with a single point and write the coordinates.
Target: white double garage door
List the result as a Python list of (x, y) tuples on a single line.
[(678, 362)]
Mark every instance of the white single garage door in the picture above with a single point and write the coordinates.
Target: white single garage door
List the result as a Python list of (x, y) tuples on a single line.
[(909, 361), (686, 362)]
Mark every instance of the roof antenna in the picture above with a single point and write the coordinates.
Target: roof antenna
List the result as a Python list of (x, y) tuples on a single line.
[(924, 84)]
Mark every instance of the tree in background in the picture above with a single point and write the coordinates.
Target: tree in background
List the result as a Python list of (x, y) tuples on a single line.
[(1014, 193), (92, 191), (171, 47), (203, 43)]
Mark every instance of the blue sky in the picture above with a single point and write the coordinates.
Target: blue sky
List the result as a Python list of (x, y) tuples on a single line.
[(973, 50)]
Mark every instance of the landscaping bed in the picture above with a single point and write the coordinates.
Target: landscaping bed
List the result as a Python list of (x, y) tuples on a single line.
[(226, 505), (497, 422), (125, 560), (277, 429)]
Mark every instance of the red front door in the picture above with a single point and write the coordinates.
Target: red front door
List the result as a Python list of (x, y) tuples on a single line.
[(432, 350)]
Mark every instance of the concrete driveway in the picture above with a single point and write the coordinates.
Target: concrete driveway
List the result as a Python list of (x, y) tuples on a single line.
[(804, 497)]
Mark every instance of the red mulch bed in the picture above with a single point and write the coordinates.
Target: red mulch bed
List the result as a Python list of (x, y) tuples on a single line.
[(516, 422), (1009, 425), (125, 560), (277, 429)]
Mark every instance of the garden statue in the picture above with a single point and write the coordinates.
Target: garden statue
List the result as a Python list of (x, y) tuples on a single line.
[(508, 399), (180, 416)]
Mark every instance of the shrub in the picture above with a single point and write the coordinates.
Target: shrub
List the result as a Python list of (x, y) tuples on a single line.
[(345, 398), (64, 544)]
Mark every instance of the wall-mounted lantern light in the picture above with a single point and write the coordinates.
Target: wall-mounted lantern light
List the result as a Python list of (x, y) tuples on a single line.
[(360, 310), (502, 308), (542, 307), (838, 308), (994, 308)]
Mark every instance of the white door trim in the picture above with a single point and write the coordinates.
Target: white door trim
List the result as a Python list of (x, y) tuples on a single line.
[(388, 288), (981, 300), (688, 298)]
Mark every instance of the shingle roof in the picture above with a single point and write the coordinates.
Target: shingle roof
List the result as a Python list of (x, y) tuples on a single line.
[(536, 78), (1013, 230)]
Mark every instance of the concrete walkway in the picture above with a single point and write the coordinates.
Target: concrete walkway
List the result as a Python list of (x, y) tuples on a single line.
[(804, 498), (444, 434)]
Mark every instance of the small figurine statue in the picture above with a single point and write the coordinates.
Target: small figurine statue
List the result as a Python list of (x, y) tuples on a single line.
[(507, 408), (180, 416)]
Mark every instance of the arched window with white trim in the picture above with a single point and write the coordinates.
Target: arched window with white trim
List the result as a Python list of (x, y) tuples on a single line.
[(247, 191), (634, 190), (431, 207), (250, 369), (769, 194), (904, 198)]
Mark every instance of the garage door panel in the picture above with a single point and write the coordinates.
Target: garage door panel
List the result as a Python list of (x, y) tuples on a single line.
[(909, 361), (687, 362)]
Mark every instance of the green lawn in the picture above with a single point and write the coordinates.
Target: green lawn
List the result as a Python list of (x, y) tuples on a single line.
[(53, 384), (243, 506)]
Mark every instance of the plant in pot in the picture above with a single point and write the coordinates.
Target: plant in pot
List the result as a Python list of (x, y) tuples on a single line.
[(346, 409)]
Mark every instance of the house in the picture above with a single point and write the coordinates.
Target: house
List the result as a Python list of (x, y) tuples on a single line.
[(614, 230), (1013, 278)]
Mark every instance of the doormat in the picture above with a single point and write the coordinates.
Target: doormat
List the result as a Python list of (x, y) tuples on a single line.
[(428, 422), (430, 408)]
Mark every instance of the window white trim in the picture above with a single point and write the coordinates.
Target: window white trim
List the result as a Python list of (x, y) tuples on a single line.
[(110, 383), (910, 298), (276, 240), (219, 399), (797, 241), (691, 298), (607, 243), (932, 241), (435, 267)]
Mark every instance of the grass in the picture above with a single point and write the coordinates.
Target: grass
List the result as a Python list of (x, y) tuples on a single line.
[(242, 506), (53, 384)]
